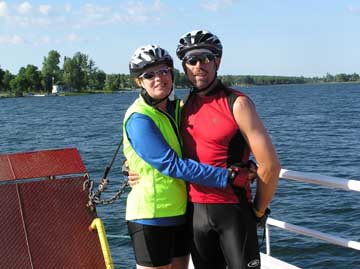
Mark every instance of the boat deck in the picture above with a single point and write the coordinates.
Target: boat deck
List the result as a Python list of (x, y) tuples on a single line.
[(268, 262)]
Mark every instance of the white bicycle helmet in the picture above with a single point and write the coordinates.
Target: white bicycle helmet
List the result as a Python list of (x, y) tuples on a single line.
[(199, 39), (148, 56)]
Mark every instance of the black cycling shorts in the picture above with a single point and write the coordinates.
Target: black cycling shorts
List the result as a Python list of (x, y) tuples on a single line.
[(157, 245), (223, 235)]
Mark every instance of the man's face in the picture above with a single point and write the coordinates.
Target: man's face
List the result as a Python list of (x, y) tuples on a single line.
[(201, 69)]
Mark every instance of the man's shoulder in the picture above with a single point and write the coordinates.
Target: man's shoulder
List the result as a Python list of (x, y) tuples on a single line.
[(232, 95), (231, 91)]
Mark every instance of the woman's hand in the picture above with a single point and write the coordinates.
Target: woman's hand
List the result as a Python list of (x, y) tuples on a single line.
[(133, 178)]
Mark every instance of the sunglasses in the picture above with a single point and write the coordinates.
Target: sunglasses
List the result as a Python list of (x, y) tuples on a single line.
[(203, 59), (151, 75)]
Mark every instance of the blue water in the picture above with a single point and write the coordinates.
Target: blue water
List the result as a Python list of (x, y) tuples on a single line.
[(315, 128)]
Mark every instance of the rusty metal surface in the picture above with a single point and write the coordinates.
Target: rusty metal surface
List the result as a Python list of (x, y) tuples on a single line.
[(41, 164), (45, 223), (5, 168), (13, 246)]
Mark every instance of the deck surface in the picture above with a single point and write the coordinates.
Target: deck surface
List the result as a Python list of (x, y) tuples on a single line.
[(268, 262)]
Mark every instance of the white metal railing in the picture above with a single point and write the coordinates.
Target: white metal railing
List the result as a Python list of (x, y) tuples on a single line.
[(340, 183)]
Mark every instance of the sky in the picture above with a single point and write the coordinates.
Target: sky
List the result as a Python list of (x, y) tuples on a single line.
[(260, 37)]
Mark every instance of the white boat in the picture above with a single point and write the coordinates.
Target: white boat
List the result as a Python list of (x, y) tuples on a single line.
[(26, 235), (269, 262)]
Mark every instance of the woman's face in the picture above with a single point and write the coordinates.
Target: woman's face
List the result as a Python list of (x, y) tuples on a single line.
[(157, 81)]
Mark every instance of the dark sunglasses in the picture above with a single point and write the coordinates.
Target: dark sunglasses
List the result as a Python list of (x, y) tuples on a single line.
[(151, 75), (203, 59)]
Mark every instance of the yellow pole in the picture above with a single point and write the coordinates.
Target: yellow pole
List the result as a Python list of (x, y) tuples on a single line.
[(98, 225)]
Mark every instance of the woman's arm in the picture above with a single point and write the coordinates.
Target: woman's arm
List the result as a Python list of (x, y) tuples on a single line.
[(148, 142)]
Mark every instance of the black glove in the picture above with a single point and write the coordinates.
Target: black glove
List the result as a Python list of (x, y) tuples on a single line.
[(261, 221), (237, 168)]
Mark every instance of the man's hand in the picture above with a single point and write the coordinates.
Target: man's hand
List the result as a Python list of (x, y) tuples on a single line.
[(252, 171), (241, 173), (260, 217)]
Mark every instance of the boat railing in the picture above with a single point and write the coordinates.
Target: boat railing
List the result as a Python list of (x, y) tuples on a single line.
[(340, 183)]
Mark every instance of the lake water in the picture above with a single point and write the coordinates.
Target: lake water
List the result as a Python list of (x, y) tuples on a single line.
[(315, 128)]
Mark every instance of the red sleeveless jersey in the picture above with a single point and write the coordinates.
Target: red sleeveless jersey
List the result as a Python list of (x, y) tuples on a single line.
[(211, 135)]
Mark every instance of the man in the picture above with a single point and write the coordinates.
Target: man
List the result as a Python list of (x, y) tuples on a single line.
[(221, 127)]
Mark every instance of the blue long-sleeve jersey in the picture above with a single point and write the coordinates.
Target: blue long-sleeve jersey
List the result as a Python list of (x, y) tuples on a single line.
[(148, 142)]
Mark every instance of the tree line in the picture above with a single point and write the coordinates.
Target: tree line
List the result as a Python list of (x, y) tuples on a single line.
[(80, 74)]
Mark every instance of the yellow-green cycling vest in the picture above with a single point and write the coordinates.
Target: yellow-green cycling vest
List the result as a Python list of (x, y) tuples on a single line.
[(156, 195)]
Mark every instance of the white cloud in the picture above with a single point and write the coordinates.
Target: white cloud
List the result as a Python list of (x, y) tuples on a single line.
[(132, 11), (68, 7), (95, 10), (44, 40), (26, 21), (216, 5), (3, 9), (158, 5), (95, 15), (24, 8), (72, 37), (137, 12), (354, 10), (44, 9), (11, 40)]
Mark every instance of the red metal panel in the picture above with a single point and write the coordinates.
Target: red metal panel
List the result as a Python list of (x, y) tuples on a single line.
[(57, 222), (44, 224), (13, 247), (5, 168), (43, 164)]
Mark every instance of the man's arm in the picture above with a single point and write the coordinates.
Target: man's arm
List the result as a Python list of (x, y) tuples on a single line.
[(260, 144)]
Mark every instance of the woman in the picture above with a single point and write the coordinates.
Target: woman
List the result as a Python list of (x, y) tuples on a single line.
[(156, 206)]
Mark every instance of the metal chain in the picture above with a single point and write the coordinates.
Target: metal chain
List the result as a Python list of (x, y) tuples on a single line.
[(115, 197), (94, 197)]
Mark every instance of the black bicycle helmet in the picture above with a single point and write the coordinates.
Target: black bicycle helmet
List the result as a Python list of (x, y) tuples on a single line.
[(148, 56), (198, 39)]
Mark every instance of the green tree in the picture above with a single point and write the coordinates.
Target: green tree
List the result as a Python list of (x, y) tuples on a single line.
[(72, 74), (83, 67), (248, 80), (111, 83), (341, 77), (2, 74), (354, 77), (27, 80), (20, 83), (329, 78), (98, 80), (7, 78), (80, 73), (50, 70), (33, 78)]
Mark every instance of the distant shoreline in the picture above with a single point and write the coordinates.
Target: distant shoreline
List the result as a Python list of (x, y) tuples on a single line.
[(42, 94)]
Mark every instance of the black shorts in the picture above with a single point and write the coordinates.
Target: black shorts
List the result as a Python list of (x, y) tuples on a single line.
[(157, 245), (223, 235)]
